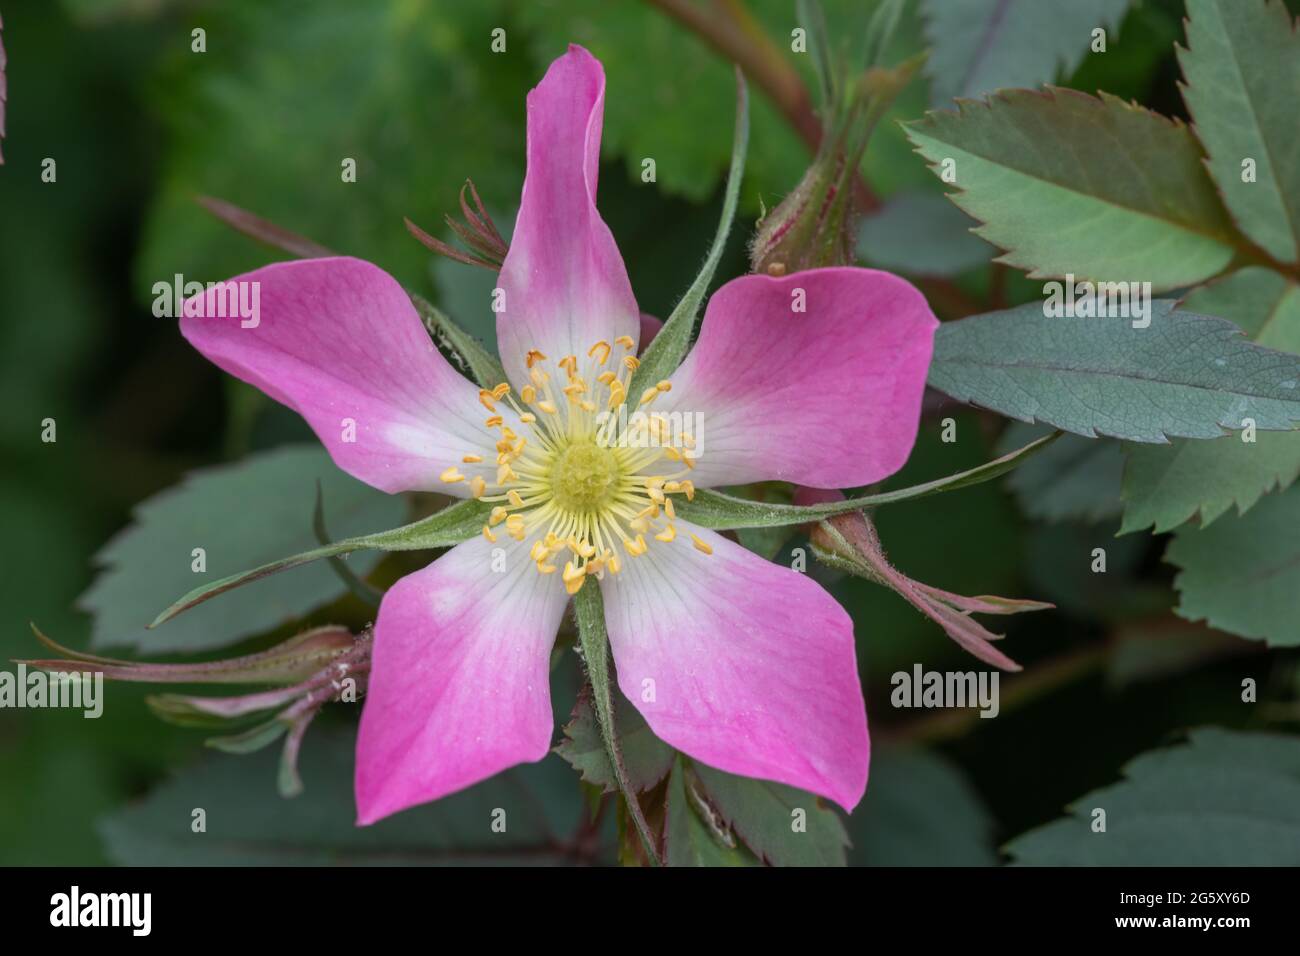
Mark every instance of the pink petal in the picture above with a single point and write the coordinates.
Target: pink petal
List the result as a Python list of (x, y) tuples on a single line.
[(828, 397), (650, 326), (338, 341), (459, 682), (742, 664), (564, 281)]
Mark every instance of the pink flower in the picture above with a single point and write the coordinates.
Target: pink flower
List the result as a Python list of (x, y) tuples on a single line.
[(740, 663)]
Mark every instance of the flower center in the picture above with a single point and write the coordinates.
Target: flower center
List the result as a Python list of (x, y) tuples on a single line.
[(585, 482), (584, 476)]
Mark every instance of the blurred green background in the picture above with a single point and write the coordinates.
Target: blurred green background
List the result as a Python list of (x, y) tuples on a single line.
[(138, 125)]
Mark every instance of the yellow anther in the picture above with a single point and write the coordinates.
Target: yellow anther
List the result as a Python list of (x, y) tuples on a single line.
[(632, 362), (501, 391), (508, 433), (616, 395), (639, 523), (664, 386), (669, 509), (655, 481), (573, 577), (478, 486), (515, 527), (612, 563), (595, 566), (506, 473), (601, 347), (538, 377), (574, 389), (514, 498), (700, 545), (626, 341), (552, 542), (606, 377), (587, 405), (528, 418), (533, 357), (539, 552), (548, 407), (472, 459), (487, 533), (667, 534), (569, 363), (528, 394), (485, 399), (497, 516), (656, 495), (689, 488), (673, 486), (635, 546), (494, 421), (543, 568), (451, 475), (648, 396)]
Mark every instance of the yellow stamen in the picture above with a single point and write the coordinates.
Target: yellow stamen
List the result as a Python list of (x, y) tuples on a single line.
[(625, 341), (472, 459), (700, 545), (603, 349), (667, 534), (477, 486), (487, 533), (451, 475), (533, 357), (528, 394)]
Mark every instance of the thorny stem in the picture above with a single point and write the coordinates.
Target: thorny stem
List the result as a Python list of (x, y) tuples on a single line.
[(730, 29)]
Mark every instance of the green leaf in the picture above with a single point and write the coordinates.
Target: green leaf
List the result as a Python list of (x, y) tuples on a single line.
[(784, 826), (1242, 573), (453, 524), (1242, 71), (1186, 375), (921, 234), (589, 612), (714, 509), (694, 835), (247, 825), (646, 758), (920, 811), (240, 515), (662, 356), (1225, 798), (977, 46), (1076, 478), (1165, 486), (1068, 183)]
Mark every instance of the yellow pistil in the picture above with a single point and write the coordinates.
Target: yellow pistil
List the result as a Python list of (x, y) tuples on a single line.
[(578, 483)]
